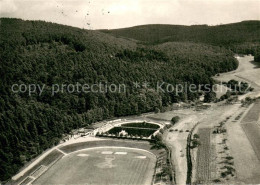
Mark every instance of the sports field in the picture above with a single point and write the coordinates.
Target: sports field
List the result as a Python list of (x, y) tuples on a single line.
[(110, 165)]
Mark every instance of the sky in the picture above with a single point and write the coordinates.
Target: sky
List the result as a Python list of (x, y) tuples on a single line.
[(111, 14)]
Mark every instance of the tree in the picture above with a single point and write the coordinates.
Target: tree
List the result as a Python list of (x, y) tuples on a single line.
[(210, 97), (257, 57), (195, 143), (175, 119), (157, 142), (196, 136)]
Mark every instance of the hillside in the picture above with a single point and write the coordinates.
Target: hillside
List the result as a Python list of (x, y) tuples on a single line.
[(242, 37), (37, 52)]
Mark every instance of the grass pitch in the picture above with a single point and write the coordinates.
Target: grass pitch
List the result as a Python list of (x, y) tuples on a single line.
[(102, 166)]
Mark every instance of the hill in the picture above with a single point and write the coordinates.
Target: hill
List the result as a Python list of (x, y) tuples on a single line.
[(47, 54), (242, 37)]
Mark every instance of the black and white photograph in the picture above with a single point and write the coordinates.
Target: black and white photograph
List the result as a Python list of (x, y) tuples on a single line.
[(129, 92)]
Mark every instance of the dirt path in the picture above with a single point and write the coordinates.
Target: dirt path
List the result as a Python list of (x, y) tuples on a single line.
[(177, 141)]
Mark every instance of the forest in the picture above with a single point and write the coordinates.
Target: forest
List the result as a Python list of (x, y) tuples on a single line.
[(242, 37), (38, 52), (257, 57)]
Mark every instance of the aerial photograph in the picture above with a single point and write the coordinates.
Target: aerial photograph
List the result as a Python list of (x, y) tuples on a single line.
[(129, 92)]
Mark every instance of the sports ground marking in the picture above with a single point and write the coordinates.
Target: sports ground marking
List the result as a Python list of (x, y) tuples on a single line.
[(61, 151), (107, 152), (120, 153), (112, 147), (140, 157)]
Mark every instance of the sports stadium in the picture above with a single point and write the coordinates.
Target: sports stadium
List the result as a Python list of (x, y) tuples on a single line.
[(114, 159)]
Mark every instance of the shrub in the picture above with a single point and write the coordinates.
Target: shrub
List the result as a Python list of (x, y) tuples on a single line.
[(195, 143), (196, 136), (175, 119), (216, 180), (210, 97), (157, 110), (229, 158)]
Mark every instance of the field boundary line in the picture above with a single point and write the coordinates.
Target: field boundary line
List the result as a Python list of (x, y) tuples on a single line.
[(114, 147), (61, 151)]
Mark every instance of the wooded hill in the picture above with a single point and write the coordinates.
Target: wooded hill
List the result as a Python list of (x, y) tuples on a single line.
[(241, 37), (37, 52)]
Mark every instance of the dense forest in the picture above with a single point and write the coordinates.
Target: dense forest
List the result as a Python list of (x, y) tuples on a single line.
[(257, 57), (242, 37), (37, 52)]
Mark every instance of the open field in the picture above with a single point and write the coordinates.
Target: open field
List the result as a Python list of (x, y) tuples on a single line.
[(203, 156), (246, 162), (102, 166), (253, 114), (252, 131), (251, 128)]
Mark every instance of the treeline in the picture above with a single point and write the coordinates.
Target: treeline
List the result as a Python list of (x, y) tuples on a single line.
[(242, 37), (36, 52), (257, 57)]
